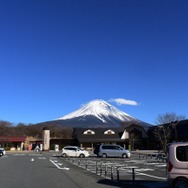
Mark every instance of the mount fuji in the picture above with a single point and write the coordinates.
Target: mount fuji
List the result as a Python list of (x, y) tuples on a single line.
[(97, 113)]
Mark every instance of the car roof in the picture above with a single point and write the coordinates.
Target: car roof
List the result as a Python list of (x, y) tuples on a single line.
[(178, 144), (71, 146), (110, 145)]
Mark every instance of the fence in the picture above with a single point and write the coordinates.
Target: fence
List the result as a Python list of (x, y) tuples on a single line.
[(109, 170), (159, 157), (147, 156)]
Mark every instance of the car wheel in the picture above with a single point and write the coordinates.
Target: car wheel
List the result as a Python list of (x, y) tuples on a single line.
[(64, 155), (104, 155), (181, 183), (82, 155), (124, 155)]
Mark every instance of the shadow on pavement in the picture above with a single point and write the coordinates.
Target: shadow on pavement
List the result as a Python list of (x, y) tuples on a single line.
[(136, 184)]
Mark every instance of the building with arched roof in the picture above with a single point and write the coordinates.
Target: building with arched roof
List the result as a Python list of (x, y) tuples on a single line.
[(132, 136)]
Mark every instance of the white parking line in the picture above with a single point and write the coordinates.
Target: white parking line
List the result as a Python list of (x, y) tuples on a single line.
[(34, 154), (151, 176), (19, 154), (144, 169), (162, 165), (64, 168), (41, 157)]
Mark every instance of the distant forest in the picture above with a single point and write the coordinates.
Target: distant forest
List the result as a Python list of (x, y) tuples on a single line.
[(21, 129)]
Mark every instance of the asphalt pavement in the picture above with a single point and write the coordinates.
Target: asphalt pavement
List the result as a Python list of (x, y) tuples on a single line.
[(48, 169), (34, 170)]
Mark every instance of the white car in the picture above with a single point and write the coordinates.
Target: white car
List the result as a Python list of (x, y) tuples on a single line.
[(74, 151), (2, 151)]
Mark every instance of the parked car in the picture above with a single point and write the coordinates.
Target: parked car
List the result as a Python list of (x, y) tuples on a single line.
[(2, 151), (177, 165), (74, 151), (111, 150)]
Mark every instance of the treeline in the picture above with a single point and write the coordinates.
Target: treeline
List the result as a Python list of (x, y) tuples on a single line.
[(21, 129)]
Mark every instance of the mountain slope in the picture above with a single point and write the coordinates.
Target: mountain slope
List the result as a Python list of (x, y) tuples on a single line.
[(97, 113), (101, 110)]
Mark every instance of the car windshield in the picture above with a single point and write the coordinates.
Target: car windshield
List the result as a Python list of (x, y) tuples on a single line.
[(82, 149)]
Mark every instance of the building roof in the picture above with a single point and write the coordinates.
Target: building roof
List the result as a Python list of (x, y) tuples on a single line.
[(12, 138), (98, 134)]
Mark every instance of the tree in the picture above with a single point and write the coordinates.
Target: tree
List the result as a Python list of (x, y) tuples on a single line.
[(134, 136), (168, 118), (166, 126), (5, 128)]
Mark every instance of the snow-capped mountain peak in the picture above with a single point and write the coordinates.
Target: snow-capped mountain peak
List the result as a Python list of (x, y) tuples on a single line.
[(99, 109)]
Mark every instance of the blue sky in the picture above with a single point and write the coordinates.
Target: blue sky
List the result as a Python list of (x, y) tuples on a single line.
[(58, 55)]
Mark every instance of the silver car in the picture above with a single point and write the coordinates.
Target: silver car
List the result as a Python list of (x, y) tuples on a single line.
[(177, 165), (111, 150)]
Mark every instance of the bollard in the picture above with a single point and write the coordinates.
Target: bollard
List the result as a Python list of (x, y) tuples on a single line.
[(105, 170), (79, 162), (96, 167), (86, 164), (133, 172), (100, 170), (117, 174), (112, 173)]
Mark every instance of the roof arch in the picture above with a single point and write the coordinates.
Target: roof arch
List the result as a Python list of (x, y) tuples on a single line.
[(109, 131), (89, 131)]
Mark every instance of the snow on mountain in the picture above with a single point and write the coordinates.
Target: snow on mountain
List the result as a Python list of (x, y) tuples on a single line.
[(97, 113), (100, 109)]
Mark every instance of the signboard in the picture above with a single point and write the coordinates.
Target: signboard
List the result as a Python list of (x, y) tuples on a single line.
[(46, 140)]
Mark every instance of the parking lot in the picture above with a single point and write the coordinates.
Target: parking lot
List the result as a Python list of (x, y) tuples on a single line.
[(50, 169), (134, 169)]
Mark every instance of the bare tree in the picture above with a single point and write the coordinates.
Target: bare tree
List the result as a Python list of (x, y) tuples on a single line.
[(5, 128), (163, 133), (166, 125), (168, 118)]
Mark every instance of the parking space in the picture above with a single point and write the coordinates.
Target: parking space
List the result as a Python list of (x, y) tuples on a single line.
[(117, 169), (142, 171)]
